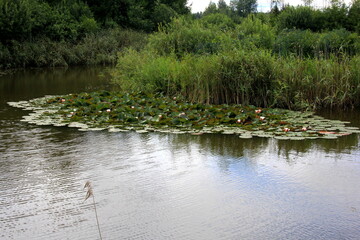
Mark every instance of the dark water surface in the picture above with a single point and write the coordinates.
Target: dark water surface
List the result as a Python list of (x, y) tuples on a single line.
[(166, 186)]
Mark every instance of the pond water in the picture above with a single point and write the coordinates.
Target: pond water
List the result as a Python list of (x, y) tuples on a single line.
[(167, 186)]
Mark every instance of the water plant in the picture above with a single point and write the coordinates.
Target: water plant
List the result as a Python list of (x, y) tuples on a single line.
[(145, 112)]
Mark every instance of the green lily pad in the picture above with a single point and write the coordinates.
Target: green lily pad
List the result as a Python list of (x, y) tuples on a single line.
[(142, 112)]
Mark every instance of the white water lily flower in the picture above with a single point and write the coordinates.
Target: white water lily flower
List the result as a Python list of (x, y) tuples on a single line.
[(108, 110), (262, 118)]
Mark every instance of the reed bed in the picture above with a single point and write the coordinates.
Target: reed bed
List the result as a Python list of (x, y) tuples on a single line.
[(246, 64), (245, 77)]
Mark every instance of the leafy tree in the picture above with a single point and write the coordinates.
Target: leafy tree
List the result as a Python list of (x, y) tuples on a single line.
[(138, 14), (335, 16), (28, 19), (223, 7), (163, 14), (243, 7), (308, 2), (276, 6), (300, 17), (354, 16), (211, 9)]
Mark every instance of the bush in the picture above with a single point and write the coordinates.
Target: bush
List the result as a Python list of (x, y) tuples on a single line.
[(296, 42), (300, 18), (304, 43), (218, 20), (183, 36), (253, 31), (339, 42)]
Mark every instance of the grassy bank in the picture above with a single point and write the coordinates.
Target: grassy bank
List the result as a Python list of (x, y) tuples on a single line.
[(96, 48)]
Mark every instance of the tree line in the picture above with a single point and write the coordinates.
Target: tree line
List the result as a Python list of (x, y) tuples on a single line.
[(72, 19), (336, 15)]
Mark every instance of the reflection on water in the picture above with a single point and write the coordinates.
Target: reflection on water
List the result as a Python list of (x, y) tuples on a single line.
[(167, 186)]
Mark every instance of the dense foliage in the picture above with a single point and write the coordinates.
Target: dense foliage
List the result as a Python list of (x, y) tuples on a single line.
[(72, 19), (215, 60), (100, 47), (38, 33), (29, 19), (337, 15)]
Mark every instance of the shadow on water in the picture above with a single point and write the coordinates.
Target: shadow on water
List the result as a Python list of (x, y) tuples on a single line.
[(31, 83)]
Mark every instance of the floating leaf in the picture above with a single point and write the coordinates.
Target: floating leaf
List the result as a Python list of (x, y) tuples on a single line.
[(141, 112)]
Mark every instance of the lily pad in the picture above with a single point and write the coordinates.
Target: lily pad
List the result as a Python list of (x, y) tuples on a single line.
[(141, 112)]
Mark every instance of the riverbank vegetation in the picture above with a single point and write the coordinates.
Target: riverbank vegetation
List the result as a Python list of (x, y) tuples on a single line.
[(277, 59)]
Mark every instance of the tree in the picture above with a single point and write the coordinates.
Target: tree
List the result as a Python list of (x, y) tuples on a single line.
[(279, 4), (223, 7), (243, 7), (308, 2), (211, 9), (354, 16), (137, 14), (335, 16)]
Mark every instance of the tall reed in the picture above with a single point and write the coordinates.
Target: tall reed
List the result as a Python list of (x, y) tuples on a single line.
[(246, 77)]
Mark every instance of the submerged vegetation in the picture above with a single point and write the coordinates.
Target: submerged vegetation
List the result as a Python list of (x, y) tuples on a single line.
[(147, 113)]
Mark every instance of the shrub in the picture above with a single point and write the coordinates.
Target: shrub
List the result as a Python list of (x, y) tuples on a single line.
[(338, 42), (255, 32), (183, 36), (218, 20), (296, 42), (300, 17)]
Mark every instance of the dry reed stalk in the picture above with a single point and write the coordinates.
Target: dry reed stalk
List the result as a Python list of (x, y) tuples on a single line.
[(90, 193)]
